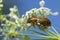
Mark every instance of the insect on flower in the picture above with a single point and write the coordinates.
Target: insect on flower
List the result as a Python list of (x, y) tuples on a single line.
[(40, 21), (32, 20)]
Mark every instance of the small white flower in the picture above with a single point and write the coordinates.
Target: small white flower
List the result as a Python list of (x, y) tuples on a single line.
[(27, 13), (45, 11), (16, 21), (55, 14), (48, 11), (33, 10), (41, 9), (11, 9), (14, 16), (42, 3), (38, 11), (14, 9)]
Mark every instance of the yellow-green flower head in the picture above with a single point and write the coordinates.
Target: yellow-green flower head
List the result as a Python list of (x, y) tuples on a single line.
[(13, 34)]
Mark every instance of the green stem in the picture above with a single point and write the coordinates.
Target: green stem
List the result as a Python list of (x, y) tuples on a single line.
[(51, 33), (54, 30), (39, 32), (48, 37)]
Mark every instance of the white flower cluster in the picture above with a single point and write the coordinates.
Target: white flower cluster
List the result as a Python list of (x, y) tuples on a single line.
[(13, 12), (38, 12), (42, 11)]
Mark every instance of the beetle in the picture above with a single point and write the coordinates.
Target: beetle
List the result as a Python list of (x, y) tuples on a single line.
[(39, 20)]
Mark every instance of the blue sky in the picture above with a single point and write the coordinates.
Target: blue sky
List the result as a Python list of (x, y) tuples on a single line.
[(25, 5)]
